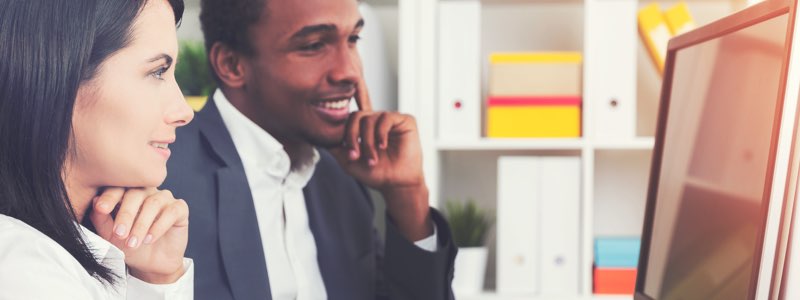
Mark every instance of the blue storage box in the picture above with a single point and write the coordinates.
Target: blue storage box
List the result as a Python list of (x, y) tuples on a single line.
[(616, 252)]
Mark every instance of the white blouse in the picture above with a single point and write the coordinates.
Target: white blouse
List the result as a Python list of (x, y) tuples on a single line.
[(33, 266)]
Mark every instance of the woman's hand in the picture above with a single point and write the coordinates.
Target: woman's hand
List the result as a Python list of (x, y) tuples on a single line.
[(150, 226)]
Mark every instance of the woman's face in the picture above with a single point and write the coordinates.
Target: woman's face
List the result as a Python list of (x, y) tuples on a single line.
[(126, 116)]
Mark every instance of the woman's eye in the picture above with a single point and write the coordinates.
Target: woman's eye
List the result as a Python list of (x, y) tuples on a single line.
[(354, 38), (159, 74)]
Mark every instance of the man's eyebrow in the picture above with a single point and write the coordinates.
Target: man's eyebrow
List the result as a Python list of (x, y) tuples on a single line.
[(312, 29), (321, 28), (161, 56)]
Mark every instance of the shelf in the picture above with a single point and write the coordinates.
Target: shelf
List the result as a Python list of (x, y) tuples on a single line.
[(494, 296), (512, 144), (641, 143), (490, 2), (382, 2)]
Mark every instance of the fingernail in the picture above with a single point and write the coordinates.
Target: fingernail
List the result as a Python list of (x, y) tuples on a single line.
[(353, 154), (373, 162), (148, 239), (103, 207), (132, 242), (120, 230)]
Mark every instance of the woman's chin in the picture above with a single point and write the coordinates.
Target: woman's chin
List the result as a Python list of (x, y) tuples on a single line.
[(147, 180)]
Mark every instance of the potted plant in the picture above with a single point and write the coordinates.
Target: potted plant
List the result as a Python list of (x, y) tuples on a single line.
[(192, 73), (469, 225)]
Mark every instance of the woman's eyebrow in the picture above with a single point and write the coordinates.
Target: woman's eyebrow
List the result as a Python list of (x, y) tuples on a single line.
[(161, 56)]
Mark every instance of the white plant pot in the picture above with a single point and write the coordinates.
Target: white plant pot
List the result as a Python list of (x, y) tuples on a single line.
[(470, 266)]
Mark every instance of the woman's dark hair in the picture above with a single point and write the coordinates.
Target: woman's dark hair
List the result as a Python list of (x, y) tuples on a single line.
[(48, 48)]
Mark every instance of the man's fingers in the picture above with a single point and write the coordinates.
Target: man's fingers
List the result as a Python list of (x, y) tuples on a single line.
[(368, 146), (382, 131), (362, 96), (352, 135)]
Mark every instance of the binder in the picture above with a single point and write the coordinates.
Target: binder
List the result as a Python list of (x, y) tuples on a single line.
[(679, 19), (538, 235), (655, 33), (518, 241), (378, 75), (610, 68), (459, 95), (560, 225)]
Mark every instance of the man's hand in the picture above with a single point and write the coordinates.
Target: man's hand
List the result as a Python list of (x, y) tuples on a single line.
[(382, 150)]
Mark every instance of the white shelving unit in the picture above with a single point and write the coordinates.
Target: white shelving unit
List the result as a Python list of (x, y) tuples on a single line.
[(614, 170)]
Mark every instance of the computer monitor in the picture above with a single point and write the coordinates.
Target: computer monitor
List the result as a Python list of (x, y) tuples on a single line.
[(723, 153)]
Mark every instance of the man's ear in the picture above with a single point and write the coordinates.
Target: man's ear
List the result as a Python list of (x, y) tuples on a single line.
[(227, 64)]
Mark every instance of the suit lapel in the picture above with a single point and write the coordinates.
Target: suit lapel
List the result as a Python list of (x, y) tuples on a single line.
[(239, 237), (325, 230), (331, 218)]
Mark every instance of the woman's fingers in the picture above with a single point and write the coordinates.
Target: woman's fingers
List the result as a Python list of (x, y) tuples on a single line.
[(128, 210), (175, 214), (100, 214), (150, 210)]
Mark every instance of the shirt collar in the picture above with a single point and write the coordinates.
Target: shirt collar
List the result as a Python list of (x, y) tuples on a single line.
[(258, 148), (103, 251)]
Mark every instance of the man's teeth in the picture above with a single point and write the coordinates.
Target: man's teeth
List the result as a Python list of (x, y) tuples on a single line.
[(160, 145), (339, 104)]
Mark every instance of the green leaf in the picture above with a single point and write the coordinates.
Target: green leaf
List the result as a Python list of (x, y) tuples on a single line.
[(192, 70), (468, 223)]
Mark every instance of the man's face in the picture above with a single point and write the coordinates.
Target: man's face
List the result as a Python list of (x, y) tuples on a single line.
[(305, 68)]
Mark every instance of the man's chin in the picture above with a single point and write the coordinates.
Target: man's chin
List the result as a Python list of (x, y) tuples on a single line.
[(326, 141)]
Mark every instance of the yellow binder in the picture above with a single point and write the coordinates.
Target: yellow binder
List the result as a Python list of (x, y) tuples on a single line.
[(679, 19), (536, 57), (655, 33)]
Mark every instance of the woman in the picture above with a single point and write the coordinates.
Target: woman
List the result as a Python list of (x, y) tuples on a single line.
[(88, 107)]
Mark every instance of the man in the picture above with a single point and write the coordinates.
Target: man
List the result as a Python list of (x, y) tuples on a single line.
[(274, 215)]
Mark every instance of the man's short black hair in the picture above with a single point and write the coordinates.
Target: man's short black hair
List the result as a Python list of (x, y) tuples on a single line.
[(228, 22)]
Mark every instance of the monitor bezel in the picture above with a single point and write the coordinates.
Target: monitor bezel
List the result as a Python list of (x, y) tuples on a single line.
[(739, 20)]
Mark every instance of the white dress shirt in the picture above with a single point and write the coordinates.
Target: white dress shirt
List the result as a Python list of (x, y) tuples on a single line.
[(33, 266), (289, 246)]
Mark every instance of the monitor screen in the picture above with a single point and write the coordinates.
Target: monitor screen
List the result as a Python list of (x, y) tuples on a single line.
[(716, 165)]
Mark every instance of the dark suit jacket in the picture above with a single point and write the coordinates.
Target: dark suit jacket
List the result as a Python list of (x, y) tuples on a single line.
[(206, 171)]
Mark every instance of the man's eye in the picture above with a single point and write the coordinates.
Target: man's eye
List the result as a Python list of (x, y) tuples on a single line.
[(354, 38), (313, 47)]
